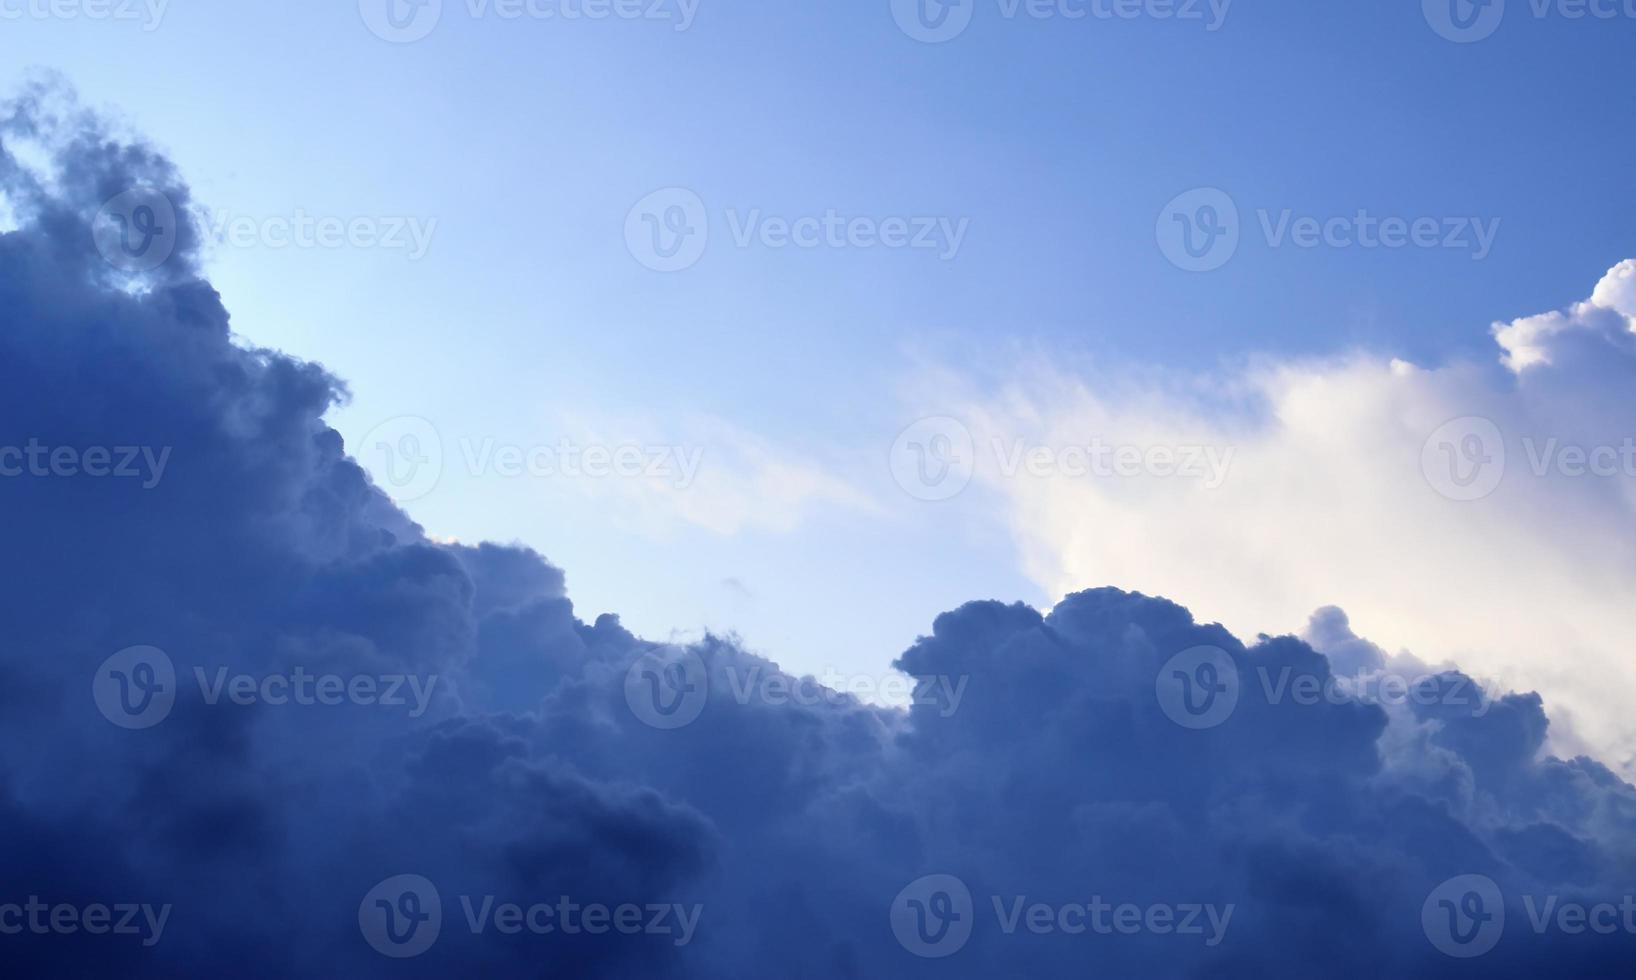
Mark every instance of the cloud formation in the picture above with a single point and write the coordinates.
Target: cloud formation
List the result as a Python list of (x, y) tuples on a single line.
[(1471, 512), (258, 708)]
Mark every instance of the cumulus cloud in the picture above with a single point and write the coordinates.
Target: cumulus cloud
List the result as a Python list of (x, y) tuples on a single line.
[(773, 829), (1472, 512)]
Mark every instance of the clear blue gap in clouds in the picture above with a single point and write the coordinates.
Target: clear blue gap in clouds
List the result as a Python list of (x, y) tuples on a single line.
[(1059, 141)]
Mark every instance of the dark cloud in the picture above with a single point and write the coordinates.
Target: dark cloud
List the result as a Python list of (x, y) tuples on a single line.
[(1043, 761)]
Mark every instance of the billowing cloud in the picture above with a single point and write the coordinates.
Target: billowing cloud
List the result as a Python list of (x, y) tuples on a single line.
[(1473, 512), (247, 701)]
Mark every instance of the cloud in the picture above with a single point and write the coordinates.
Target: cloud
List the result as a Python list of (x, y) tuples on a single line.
[(564, 767), (1469, 512)]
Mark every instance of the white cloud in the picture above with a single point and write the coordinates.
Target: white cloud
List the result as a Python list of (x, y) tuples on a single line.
[(1348, 485)]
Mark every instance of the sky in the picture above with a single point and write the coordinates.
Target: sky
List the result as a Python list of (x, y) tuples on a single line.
[(1190, 444), (524, 143)]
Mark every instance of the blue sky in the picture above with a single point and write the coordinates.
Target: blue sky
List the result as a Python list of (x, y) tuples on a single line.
[(1056, 141)]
